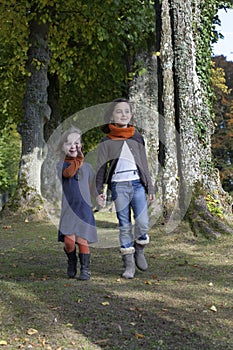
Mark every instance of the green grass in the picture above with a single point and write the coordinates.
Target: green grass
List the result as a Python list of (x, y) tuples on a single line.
[(170, 306)]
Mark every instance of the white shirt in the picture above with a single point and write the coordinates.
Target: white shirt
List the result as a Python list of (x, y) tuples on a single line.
[(126, 169)]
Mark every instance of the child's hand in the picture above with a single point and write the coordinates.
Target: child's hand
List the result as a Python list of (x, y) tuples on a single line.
[(101, 199)]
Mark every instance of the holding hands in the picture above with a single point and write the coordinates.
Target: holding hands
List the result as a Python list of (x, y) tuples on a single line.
[(101, 200)]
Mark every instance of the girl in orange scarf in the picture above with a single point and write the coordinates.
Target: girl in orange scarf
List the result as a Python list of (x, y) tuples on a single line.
[(77, 223), (122, 164)]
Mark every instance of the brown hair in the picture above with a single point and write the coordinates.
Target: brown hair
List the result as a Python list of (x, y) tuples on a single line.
[(109, 112)]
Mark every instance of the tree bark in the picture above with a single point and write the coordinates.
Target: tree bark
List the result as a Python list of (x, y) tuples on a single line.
[(168, 132), (37, 111), (181, 124)]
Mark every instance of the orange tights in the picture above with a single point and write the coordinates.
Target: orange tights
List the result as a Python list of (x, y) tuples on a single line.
[(69, 242)]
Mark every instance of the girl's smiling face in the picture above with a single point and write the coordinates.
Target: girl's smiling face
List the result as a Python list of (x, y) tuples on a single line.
[(72, 145), (121, 115)]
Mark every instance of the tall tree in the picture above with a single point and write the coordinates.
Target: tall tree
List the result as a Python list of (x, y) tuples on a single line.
[(190, 184), (36, 112)]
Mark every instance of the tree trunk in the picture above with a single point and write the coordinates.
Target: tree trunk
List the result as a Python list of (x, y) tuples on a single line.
[(49, 181), (37, 111), (194, 119), (190, 185)]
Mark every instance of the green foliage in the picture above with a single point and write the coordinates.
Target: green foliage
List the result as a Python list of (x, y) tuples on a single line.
[(9, 158), (207, 35), (214, 206), (13, 55), (222, 139), (92, 45)]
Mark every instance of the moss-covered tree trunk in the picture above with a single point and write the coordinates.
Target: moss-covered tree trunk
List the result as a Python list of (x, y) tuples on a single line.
[(188, 185), (36, 111), (195, 126)]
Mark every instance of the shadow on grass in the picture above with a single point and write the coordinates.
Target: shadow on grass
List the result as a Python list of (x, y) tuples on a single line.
[(167, 307)]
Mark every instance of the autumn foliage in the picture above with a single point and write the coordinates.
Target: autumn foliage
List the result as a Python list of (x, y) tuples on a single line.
[(222, 139)]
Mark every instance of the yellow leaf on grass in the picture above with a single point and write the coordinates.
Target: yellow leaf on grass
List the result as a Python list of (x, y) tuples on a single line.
[(69, 325), (32, 331), (3, 342), (139, 336), (105, 303), (213, 308), (148, 282)]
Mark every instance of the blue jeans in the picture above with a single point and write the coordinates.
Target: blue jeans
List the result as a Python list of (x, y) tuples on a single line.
[(129, 195)]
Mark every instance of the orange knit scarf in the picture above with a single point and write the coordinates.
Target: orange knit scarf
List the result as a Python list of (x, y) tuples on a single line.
[(120, 133), (75, 164)]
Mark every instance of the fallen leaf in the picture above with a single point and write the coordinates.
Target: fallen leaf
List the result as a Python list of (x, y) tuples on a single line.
[(139, 336), (139, 308), (119, 327), (69, 325), (148, 282), (132, 308), (6, 227), (213, 308), (3, 342), (42, 341), (105, 303), (101, 341), (32, 331), (210, 284), (55, 307), (155, 277)]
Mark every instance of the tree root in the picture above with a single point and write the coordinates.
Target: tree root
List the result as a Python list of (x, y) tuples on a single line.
[(203, 222)]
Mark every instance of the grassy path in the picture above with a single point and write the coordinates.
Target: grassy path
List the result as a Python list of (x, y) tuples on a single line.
[(184, 301)]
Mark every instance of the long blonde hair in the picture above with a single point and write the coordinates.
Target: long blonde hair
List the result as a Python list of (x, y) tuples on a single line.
[(63, 139)]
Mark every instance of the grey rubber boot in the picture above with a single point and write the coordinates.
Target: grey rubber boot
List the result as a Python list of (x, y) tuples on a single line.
[(139, 256), (128, 262), (72, 263), (85, 273)]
